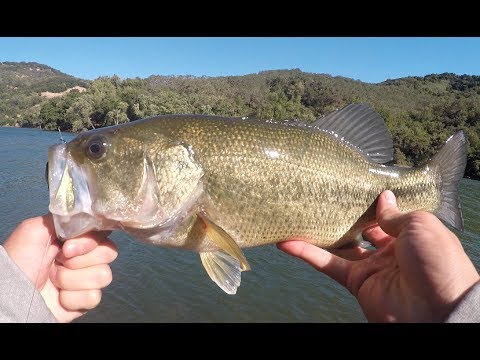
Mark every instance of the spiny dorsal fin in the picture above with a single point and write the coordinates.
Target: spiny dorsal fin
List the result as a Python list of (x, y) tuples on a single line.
[(362, 127)]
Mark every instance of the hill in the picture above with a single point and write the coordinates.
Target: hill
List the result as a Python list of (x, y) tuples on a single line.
[(421, 112), (21, 85)]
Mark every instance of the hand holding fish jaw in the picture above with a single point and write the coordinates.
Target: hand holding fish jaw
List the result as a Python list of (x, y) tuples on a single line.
[(69, 277), (418, 273)]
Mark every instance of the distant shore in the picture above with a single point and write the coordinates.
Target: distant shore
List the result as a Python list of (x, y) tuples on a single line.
[(11, 126)]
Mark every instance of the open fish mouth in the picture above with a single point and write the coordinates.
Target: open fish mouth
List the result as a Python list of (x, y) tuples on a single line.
[(70, 201)]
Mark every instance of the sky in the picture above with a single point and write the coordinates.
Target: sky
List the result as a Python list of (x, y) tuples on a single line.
[(369, 59)]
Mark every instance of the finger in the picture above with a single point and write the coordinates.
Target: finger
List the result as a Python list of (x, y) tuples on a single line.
[(389, 217), (377, 236), (322, 260), (104, 253), (83, 244), (80, 300), (93, 277)]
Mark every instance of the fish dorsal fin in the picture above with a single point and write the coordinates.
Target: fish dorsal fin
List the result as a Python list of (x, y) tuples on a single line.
[(362, 127)]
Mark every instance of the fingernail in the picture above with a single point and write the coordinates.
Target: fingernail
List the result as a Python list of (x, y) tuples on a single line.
[(390, 198)]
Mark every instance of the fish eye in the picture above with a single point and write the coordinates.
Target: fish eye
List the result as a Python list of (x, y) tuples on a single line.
[(97, 148)]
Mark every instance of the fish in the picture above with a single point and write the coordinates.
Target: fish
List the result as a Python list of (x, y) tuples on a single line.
[(216, 185)]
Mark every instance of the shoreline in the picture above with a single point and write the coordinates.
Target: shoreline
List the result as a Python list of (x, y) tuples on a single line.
[(28, 127)]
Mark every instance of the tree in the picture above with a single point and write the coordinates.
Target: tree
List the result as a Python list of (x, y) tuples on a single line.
[(79, 114)]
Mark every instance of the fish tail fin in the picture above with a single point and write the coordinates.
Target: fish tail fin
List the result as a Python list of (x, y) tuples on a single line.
[(451, 160)]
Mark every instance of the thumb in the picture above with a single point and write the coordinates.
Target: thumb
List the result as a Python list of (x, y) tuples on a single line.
[(389, 217), (33, 247)]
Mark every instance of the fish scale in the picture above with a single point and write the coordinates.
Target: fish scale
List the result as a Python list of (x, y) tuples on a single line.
[(311, 186)]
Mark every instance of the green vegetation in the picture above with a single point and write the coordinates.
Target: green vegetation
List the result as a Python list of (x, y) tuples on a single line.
[(421, 112), (21, 85)]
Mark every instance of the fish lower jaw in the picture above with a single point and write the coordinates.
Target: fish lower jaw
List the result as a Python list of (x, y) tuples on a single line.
[(70, 226)]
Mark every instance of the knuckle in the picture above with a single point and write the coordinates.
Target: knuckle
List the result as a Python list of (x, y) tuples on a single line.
[(107, 255), (69, 263), (62, 277), (420, 219), (420, 215), (31, 225), (113, 250), (93, 298), (103, 275)]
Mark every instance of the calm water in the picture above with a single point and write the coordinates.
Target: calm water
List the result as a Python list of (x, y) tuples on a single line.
[(154, 284)]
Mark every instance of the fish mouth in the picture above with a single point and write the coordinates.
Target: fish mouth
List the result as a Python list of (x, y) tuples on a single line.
[(70, 201)]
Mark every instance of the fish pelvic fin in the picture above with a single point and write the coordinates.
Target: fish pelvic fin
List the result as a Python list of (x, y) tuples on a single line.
[(451, 160), (224, 241), (224, 266), (223, 269)]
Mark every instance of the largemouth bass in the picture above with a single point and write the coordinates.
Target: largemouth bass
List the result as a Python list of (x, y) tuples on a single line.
[(216, 185)]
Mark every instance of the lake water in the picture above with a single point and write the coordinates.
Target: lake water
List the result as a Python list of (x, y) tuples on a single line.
[(154, 284)]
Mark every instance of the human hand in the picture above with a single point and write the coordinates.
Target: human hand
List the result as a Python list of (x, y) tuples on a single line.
[(418, 272), (69, 277)]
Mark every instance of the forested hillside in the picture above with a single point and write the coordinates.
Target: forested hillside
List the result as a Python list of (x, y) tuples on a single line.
[(21, 86), (421, 112)]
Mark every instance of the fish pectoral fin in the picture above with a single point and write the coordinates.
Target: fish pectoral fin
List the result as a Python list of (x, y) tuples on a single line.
[(223, 269), (357, 241), (360, 241), (224, 241)]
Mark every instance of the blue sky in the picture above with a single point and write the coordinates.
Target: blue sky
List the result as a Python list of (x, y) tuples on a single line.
[(369, 59)]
